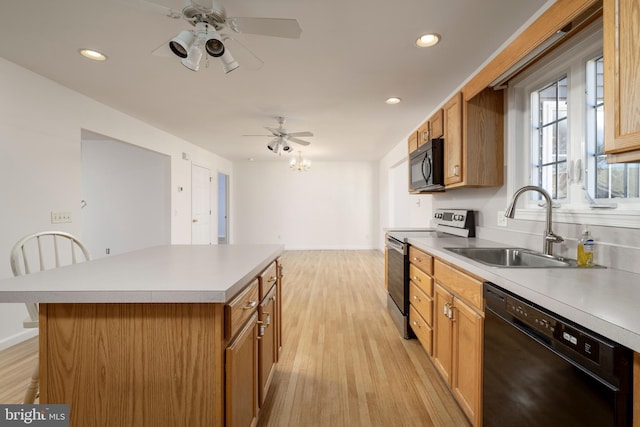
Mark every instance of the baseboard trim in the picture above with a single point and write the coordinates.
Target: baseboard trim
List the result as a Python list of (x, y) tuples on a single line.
[(17, 338)]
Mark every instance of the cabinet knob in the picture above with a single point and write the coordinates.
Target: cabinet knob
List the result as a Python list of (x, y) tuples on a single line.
[(416, 278), (415, 258), (251, 305)]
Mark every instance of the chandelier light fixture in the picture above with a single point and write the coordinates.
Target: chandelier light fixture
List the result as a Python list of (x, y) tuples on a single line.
[(300, 164)]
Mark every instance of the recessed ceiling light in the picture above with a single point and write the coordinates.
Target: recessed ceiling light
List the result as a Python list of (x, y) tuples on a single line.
[(427, 40), (92, 54), (393, 100)]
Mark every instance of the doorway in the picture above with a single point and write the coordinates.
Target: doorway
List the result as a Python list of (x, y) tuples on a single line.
[(200, 205), (223, 209)]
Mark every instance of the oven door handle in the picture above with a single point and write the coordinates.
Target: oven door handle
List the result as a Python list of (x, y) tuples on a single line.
[(393, 244)]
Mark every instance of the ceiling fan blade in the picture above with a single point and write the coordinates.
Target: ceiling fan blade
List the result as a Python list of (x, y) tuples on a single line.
[(170, 8), (306, 133), (163, 50), (275, 132), (274, 27), (299, 141), (268, 136), (241, 53)]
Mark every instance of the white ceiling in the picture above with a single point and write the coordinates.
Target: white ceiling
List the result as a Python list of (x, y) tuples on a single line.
[(352, 55)]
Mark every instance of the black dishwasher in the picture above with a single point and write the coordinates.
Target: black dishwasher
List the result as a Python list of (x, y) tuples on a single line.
[(540, 369)]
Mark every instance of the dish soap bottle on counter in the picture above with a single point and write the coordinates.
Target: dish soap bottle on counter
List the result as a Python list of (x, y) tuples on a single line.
[(585, 250)]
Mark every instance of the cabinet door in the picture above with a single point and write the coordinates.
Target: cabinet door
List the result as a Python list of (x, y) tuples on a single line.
[(268, 343), (467, 359), (413, 142), (436, 123), (424, 134), (241, 377), (442, 332), (621, 80), (453, 148)]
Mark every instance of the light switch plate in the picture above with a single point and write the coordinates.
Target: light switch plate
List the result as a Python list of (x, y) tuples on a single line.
[(60, 217)]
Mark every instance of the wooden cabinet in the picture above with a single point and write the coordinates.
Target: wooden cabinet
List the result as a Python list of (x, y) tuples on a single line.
[(458, 329), (621, 80), (453, 148), (412, 142), (432, 128), (241, 377), (421, 296), (443, 332), (436, 124), (268, 342), (474, 140)]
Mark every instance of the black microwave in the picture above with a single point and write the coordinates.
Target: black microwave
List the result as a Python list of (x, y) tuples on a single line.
[(426, 167)]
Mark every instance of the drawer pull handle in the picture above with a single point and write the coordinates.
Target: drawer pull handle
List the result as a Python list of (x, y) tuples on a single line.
[(251, 305), (267, 319), (415, 258), (416, 278), (271, 279), (415, 323), (415, 297)]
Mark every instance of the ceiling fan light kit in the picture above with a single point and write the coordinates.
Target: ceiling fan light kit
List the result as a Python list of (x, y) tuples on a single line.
[(209, 17)]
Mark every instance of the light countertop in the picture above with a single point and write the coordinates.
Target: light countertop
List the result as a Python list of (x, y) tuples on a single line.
[(604, 300), (171, 273)]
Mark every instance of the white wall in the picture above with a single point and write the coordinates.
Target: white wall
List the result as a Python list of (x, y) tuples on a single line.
[(332, 206), (40, 164), (127, 190)]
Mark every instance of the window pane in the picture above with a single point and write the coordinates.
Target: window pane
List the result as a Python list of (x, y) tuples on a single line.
[(561, 181), (550, 146), (633, 178), (602, 178), (599, 64), (599, 129), (618, 180)]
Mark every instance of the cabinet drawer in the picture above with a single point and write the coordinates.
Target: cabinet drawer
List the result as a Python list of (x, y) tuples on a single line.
[(240, 309), (421, 329), (461, 284), (421, 302), (423, 281), (421, 259), (267, 279)]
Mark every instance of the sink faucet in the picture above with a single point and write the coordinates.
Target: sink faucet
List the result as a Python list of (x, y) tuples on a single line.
[(549, 237)]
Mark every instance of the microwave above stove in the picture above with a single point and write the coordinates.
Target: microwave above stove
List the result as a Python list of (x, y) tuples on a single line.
[(426, 167)]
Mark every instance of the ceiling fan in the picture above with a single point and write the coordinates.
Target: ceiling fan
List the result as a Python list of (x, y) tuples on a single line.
[(281, 137), (207, 39)]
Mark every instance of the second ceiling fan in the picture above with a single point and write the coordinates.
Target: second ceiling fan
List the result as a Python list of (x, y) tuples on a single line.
[(281, 137)]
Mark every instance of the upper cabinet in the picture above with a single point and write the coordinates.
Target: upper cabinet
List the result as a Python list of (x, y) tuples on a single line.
[(621, 80), (430, 129), (474, 140)]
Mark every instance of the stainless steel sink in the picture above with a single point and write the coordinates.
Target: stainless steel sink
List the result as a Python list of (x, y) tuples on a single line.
[(513, 258)]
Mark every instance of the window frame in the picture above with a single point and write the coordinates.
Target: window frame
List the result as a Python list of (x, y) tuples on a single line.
[(570, 59)]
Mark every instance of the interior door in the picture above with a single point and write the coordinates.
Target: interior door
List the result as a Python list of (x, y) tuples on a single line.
[(223, 208), (200, 205)]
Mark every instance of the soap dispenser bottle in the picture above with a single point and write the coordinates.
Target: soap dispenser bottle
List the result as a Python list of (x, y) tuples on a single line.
[(585, 249)]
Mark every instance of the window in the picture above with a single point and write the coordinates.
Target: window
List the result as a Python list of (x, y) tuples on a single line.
[(556, 138), (608, 181)]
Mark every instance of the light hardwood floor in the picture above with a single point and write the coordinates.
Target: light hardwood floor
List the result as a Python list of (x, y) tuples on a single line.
[(343, 362)]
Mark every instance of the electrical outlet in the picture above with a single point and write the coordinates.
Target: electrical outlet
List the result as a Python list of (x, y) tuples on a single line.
[(60, 217), (502, 220)]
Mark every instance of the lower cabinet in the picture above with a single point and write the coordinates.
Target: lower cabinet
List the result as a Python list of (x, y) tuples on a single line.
[(268, 342), (457, 336), (253, 328), (241, 377)]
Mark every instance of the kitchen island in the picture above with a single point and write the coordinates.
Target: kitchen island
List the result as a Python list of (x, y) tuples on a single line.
[(139, 339)]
